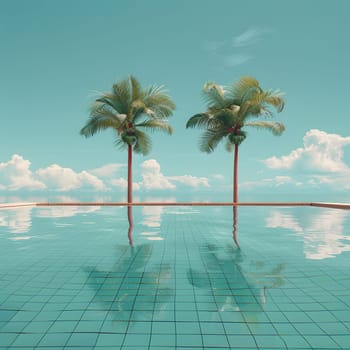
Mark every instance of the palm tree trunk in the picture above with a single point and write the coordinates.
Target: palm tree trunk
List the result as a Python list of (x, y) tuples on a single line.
[(235, 196), (130, 218), (235, 175)]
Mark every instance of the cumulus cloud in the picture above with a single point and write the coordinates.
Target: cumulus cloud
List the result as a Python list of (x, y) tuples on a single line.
[(152, 177), (16, 174), (321, 158), (123, 183), (322, 152), (65, 179)]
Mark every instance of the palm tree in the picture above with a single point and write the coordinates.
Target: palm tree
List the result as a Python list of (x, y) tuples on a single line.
[(230, 110), (127, 110)]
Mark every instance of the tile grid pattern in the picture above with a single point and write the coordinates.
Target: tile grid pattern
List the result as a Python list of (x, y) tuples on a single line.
[(47, 304)]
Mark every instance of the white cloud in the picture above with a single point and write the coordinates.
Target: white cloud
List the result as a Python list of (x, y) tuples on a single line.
[(276, 181), (284, 162), (322, 152), (227, 50), (16, 174), (218, 177), (283, 180), (190, 180), (152, 177), (65, 179), (248, 37), (107, 170), (321, 157), (123, 183)]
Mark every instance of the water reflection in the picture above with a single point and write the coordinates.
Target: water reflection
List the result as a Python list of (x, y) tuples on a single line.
[(134, 289), (235, 223), (64, 211), (152, 216), (16, 220), (238, 283), (19, 220), (151, 220), (322, 231)]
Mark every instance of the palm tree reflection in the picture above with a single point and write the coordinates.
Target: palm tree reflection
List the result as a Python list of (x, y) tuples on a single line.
[(131, 225), (239, 286), (128, 291), (235, 219)]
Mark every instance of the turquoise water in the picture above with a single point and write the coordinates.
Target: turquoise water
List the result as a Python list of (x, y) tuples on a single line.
[(70, 280)]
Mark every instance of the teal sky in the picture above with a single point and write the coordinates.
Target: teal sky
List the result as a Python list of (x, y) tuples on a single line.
[(57, 55)]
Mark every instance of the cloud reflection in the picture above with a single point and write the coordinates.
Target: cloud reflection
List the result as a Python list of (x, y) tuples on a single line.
[(64, 211), (16, 220), (322, 232)]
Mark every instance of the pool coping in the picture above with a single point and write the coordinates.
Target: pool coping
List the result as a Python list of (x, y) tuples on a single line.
[(122, 204)]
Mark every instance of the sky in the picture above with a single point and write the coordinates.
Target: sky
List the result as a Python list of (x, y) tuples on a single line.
[(58, 56)]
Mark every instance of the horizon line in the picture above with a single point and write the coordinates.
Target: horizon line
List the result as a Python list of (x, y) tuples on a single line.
[(137, 204)]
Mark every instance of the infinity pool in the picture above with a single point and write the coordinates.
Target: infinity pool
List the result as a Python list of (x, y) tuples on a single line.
[(70, 280)]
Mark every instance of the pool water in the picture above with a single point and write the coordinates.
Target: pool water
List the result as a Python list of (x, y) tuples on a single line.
[(70, 280)]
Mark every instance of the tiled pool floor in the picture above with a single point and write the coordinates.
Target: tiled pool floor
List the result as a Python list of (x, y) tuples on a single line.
[(69, 279)]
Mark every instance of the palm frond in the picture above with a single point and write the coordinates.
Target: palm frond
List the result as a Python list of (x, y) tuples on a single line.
[(210, 139), (214, 96), (160, 104), (154, 125), (101, 109), (122, 95), (137, 109), (242, 89), (143, 143), (112, 102), (276, 128), (123, 108), (119, 143), (98, 123), (259, 103), (136, 90), (229, 110), (153, 90), (275, 98), (200, 120)]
